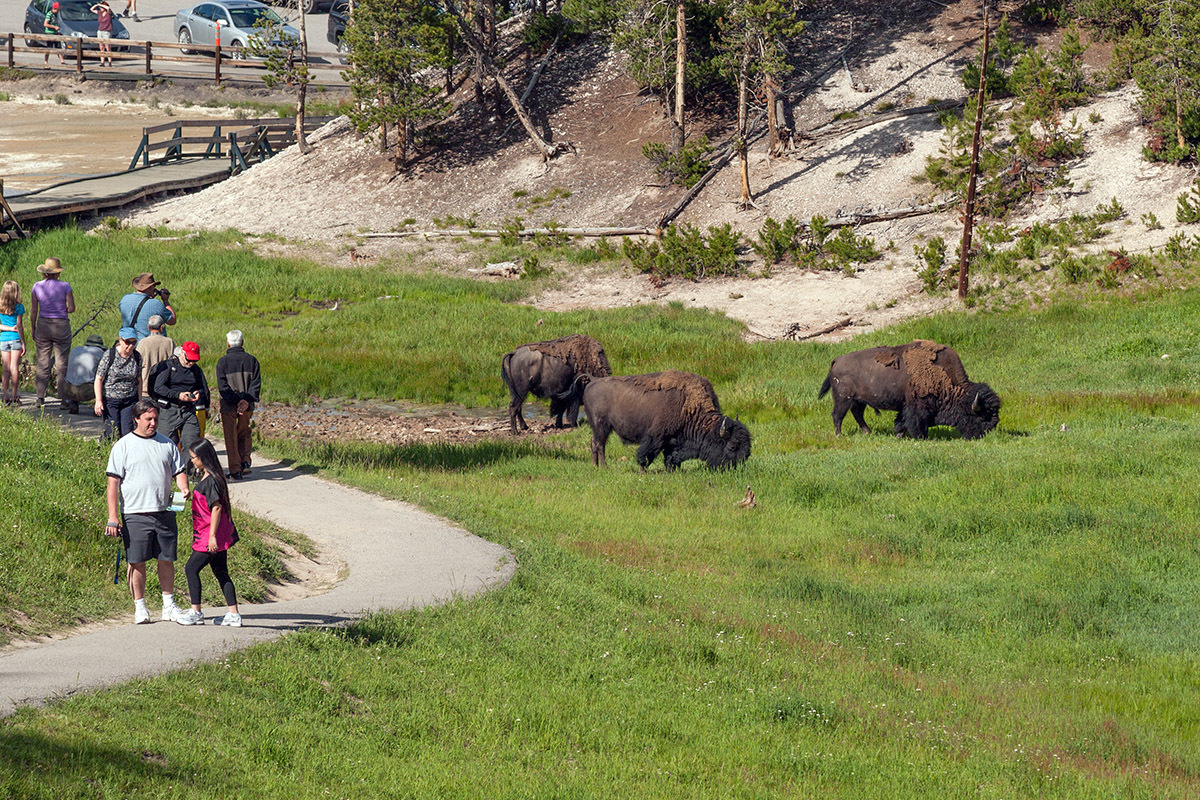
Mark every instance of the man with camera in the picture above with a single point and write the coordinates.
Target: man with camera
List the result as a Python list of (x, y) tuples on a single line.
[(145, 301)]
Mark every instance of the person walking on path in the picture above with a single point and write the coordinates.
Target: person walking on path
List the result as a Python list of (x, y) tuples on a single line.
[(213, 534), (131, 5), (118, 384), (50, 303), (180, 388), (51, 26), (104, 28), (140, 470), (144, 302), (239, 382), (81, 372), (12, 342), (155, 349)]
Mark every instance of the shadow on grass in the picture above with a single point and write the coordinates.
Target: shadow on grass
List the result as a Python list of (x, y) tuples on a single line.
[(443, 457), (84, 764)]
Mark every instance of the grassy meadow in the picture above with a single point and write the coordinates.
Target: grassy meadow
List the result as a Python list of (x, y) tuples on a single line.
[(1016, 617)]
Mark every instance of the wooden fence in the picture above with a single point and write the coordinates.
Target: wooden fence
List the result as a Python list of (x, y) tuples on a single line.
[(144, 54), (244, 141)]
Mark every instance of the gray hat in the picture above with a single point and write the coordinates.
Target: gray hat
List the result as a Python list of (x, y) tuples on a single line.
[(94, 340)]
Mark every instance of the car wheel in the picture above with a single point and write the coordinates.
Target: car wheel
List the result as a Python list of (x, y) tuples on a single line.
[(185, 38), (310, 6), (237, 50), (32, 42), (342, 47)]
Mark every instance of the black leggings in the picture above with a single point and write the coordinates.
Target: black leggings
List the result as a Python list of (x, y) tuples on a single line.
[(220, 569)]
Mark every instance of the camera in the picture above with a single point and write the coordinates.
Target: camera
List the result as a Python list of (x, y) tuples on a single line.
[(165, 294)]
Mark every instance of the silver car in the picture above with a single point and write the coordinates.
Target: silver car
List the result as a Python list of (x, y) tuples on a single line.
[(240, 21)]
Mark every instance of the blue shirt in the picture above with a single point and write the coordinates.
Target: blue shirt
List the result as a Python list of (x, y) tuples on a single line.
[(129, 304), (11, 319)]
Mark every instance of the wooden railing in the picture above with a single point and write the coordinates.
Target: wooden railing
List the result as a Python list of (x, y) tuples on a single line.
[(144, 54), (244, 141)]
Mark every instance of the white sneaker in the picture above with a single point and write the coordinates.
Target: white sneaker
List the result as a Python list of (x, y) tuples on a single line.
[(190, 617), (231, 620), (140, 616), (171, 613)]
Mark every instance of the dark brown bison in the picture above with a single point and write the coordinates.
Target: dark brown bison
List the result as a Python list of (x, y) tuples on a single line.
[(673, 413), (549, 369), (923, 380)]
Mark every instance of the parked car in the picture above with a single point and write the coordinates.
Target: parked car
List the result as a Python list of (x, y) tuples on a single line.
[(76, 18), (241, 22), (339, 18), (310, 6)]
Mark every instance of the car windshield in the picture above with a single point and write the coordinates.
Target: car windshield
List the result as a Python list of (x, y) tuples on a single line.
[(254, 17), (76, 12)]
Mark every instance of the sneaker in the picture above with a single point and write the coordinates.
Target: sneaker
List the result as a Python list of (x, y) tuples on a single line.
[(231, 620), (245, 467), (140, 616), (234, 476), (172, 613), (190, 617)]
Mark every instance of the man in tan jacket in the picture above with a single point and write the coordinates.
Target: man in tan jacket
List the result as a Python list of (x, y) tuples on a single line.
[(155, 348)]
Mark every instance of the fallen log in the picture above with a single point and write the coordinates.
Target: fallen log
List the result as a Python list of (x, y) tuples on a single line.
[(889, 214), (793, 332), (524, 232), (858, 124), (537, 73), (717, 166)]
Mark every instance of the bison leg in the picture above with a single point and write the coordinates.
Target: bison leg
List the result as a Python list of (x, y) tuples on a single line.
[(916, 420), (600, 433), (856, 408), (557, 407), (648, 451), (572, 414), (515, 413), (840, 406)]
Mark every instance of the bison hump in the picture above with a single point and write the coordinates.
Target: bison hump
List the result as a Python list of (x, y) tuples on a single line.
[(698, 394), (583, 354), (933, 369)]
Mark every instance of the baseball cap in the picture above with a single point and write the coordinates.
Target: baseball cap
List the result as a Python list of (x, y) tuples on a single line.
[(192, 351), (127, 333), (54, 6)]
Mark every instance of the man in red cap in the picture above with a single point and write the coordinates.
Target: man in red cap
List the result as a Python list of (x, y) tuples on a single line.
[(180, 389), (51, 26)]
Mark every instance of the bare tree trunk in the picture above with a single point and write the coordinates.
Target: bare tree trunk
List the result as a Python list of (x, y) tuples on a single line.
[(546, 149), (302, 94), (678, 133), (964, 256), (402, 146), (743, 138), (474, 8), (774, 140)]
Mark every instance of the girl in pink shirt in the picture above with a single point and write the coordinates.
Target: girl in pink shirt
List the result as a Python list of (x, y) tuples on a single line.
[(212, 534)]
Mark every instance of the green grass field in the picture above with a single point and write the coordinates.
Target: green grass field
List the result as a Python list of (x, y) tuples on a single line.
[(1015, 617)]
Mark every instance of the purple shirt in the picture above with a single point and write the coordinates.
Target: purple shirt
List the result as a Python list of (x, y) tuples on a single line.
[(52, 298)]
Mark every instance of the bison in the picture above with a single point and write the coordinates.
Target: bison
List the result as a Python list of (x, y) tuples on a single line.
[(549, 369), (923, 380), (673, 413)]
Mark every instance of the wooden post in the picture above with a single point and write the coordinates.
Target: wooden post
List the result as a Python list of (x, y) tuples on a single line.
[(964, 256), (149, 71), (10, 51), (78, 55)]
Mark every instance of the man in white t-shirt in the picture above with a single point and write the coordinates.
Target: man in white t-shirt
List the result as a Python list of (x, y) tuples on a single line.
[(141, 467)]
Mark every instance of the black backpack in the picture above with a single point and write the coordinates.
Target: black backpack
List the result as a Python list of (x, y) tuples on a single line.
[(155, 371)]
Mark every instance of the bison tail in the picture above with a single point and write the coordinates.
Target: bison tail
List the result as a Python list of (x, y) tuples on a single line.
[(575, 389), (505, 375), (826, 386)]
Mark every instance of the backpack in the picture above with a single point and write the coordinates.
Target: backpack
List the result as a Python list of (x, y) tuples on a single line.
[(152, 378), (112, 354)]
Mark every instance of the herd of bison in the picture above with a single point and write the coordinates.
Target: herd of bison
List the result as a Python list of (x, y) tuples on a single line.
[(677, 413)]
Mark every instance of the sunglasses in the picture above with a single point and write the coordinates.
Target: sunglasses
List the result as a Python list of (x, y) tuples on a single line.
[(129, 341)]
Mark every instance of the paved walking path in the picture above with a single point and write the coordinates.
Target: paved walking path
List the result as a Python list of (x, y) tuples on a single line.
[(398, 557)]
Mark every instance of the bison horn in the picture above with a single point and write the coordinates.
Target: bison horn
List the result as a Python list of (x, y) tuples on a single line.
[(724, 433), (975, 404)]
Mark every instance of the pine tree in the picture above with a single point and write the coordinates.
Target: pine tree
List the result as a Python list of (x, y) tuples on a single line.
[(1165, 63), (391, 43)]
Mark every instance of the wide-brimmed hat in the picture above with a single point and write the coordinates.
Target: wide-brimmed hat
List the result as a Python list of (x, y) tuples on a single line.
[(145, 281), (191, 350), (94, 340), (51, 267)]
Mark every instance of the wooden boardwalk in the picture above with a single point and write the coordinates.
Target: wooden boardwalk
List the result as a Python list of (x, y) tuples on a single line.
[(103, 192)]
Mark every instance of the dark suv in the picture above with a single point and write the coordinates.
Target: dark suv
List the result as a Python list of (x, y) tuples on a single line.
[(339, 16)]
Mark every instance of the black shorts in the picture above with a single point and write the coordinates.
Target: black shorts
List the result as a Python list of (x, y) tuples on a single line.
[(148, 536)]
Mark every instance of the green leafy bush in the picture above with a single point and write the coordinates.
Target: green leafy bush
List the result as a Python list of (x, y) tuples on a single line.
[(685, 252), (933, 258), (684, 168), (778, 240)]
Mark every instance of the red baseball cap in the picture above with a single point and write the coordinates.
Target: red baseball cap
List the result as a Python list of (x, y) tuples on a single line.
[(192, 351), (54, 6)]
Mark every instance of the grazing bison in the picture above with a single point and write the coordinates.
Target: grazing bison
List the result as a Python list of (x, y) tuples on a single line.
[(673, 413), (923, 380), (549, 369)]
